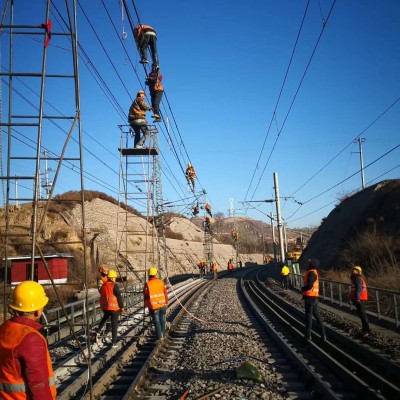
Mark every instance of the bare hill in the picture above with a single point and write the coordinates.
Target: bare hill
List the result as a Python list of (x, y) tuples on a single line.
[(363, 229)]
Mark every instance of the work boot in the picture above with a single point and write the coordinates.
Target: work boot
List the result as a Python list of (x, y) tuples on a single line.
[(157, 120), (138, 146), (144, 61)]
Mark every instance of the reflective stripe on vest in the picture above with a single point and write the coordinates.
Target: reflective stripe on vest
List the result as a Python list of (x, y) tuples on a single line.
[(364, 292), (108, 301), (156, 298), (12, 385), (314, 291)]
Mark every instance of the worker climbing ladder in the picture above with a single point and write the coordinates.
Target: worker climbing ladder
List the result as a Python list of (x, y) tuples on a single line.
[(141, 188)]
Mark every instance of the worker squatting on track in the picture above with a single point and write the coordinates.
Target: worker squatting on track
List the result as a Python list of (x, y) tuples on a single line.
[(25, 365), (156, 299), (358, 296), (137, 119), (310, 292), (112, 305)]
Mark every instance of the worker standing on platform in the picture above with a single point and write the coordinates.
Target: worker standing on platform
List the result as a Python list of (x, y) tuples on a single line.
[(102, 279), (156, 90), (208, 209), (285, 276), (190, 176), (310, 292), (112, 305), (207, 225), (145, 36), (359, 295), (137, 119), (25, 364), (156, 299)]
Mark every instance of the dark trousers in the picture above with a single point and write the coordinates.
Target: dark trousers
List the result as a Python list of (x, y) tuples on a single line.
[(311, 308), (137, 128), (151, 42), (158, 317), (155, 101), (285, 281), (114, 323), (360, 307)]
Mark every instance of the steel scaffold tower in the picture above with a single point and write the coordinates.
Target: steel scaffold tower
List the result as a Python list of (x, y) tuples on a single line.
[(141, 185), (32, 80)]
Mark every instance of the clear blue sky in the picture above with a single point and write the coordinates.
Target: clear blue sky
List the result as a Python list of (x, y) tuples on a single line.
[(223, 64)]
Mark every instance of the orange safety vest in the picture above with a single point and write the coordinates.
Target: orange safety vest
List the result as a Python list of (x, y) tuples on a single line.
[(12, 384), (314, 291), (214, 267), (364, 292), (108, 301), (143, 28), (155, 289), (230, 266)]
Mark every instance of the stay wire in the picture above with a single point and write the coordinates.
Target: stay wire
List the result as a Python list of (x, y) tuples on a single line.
[(295, 96)]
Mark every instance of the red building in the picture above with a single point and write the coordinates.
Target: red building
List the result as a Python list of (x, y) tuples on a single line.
[(18, 268)]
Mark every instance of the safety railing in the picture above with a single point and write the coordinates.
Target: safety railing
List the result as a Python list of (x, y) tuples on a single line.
[(76, 311), (382, 303)]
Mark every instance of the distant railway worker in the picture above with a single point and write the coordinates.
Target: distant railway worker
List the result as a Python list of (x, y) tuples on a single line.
[(145, 36), (195, 210), (156, 299), (230, 266), (359, 295), (190, 176), (156, 90), (137, 119), (25, 365), (112, 305), (214, 268), (285, 276), (202, 268), (310, 292), (102, 279), (208, 209)]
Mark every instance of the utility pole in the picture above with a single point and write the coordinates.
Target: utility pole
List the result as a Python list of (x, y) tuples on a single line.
[(360, 142), (278, 217), (273, 234)]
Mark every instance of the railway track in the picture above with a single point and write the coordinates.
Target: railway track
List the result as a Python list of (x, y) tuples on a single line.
[(336, 368), (136, 343)]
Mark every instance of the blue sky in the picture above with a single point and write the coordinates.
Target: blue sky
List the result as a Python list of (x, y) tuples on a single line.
[(223, 64)]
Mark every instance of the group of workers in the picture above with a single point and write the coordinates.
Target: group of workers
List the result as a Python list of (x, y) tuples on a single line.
[(202, 265), (146, 37), (310, 292)]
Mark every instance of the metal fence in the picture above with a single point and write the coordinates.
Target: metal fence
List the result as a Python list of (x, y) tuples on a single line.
[(382, 303)]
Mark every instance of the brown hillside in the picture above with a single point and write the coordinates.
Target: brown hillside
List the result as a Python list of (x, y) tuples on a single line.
[(363, 229)]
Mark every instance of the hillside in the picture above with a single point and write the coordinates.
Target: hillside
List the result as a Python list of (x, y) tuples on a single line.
[(363, 229), (105, 226)]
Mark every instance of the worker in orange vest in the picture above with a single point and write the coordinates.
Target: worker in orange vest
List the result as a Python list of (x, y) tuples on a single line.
[(145, 36), (359, 295), (156, 90), (112, 305), (214, 269), (208, 209), (156, 299), (137, 119), (310, 292), (190, 176), (103, 271), (230, 266), (25, 365)]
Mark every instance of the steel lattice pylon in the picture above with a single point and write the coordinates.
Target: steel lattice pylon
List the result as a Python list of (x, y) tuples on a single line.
[(143, 188)]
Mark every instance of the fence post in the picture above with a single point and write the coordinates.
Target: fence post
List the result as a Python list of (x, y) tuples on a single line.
[(331, 290), (378, 308)]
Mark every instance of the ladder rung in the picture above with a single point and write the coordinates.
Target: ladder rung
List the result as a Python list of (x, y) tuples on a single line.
[(44, 117), (46, 158)]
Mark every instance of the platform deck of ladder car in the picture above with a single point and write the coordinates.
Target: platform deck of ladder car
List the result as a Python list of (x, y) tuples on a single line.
[(139, 152)]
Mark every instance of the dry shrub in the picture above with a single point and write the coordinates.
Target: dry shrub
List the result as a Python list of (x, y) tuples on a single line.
[(173, 235), (378, 255)]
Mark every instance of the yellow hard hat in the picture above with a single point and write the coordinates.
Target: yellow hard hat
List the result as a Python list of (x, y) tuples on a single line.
[(153, 271), (29, 296), (139, 92), (112, 274), (357, 268), (189, 165)]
